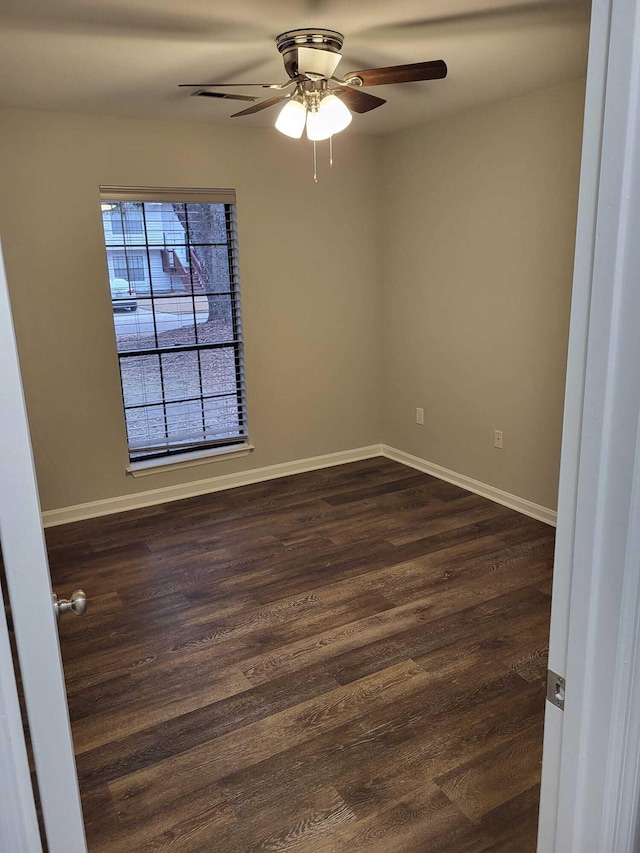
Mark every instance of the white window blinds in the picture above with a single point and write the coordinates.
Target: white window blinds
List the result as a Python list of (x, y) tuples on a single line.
[(172, 256)]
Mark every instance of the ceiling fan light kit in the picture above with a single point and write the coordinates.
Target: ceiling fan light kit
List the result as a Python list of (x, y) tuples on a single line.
[(311, 57), (291, 119), (324, 116), (329, 118)]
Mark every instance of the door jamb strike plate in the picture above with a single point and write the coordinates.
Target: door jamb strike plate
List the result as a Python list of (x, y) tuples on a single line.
[(556, 685)]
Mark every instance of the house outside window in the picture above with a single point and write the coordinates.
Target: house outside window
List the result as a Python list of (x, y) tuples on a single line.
[(172, 258)]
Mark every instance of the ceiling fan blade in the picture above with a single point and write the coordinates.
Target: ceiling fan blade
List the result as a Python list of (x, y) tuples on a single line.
[(229, 85), (263, 105), (435, 70), (228, 96), (357, 100)]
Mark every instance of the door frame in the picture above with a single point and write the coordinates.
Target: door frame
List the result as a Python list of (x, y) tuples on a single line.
[(573, 417)]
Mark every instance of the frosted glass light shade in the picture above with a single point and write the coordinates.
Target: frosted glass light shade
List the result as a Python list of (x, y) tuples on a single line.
[(291, 119), (332, 117)]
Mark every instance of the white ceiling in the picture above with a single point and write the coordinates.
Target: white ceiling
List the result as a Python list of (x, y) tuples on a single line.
[(126, 57)]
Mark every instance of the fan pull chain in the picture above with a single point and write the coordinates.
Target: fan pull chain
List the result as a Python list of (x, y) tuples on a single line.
[(315, 162), (330, 151)]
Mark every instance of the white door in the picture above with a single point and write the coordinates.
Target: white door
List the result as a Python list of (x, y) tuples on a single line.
[(30, 594)]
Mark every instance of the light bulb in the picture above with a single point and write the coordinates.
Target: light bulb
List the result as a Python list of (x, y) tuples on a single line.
[(291, 119), (332, 117)]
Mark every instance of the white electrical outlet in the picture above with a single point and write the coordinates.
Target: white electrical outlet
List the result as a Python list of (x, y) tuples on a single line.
[(420, 416), (497, 438)]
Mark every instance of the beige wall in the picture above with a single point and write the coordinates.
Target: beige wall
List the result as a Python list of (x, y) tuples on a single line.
[(479, 235), (309, 287), (430, 268)]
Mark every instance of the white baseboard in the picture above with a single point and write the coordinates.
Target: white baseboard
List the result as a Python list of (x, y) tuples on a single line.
[(541, 513), (108, 506)]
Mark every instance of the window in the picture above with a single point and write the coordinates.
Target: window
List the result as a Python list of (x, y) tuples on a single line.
[(131, 267), (179, 334), (126, 218)]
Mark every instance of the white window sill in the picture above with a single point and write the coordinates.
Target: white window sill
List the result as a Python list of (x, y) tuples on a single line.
[(187, 460)]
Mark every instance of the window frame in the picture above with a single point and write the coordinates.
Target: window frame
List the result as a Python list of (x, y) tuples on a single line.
[(132, 268), (184, 451), (126, 224)]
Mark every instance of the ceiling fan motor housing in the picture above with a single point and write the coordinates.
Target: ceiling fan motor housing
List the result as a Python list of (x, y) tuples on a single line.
[(310, 52)]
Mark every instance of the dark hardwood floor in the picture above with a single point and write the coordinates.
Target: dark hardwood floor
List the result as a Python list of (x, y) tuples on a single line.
[(347, 660)]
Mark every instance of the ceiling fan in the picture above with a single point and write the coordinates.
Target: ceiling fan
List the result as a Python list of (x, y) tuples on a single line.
[(319, 99)]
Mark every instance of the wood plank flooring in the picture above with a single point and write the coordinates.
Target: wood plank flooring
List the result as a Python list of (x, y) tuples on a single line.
[(347, 660)]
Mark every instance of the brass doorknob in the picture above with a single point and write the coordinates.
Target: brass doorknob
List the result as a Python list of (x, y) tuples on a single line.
[(77, 603)]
